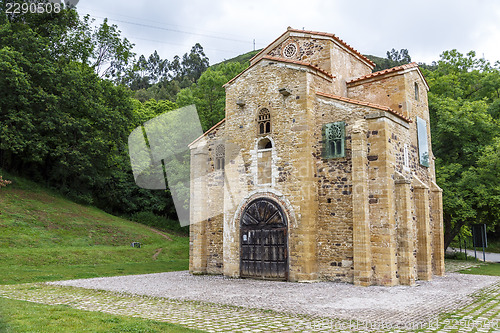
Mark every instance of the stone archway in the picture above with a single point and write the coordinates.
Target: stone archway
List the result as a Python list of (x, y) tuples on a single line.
[(264, 241)]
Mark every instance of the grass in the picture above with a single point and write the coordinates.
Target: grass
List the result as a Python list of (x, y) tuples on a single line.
[(31, 317), (45, 237), (485, 269)]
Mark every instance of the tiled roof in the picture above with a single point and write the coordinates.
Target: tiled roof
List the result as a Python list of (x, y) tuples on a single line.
[(302, 63), (207, 132), (385, 71), (337, 39), (326, 34), (372, 105)]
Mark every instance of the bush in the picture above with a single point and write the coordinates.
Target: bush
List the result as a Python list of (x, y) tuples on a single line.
[(159, 222), (458, 256)]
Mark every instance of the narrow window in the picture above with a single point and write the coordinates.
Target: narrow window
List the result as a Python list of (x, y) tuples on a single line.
[(423, 147), (334, 140), (406, 157), (264, 121), (220, 153), (417, 93)]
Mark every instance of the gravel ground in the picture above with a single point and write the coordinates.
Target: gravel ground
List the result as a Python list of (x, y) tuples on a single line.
[(396, 305)]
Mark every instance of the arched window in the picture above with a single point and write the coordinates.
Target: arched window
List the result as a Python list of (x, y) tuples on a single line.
[(417, 93), (265, 144), (220, 153), (264, 161), (264, 121)]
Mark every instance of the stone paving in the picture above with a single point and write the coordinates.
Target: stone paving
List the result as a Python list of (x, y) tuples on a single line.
[(480, 314)]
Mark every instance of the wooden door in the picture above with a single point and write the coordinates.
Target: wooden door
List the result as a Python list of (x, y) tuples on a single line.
[(264, 241)]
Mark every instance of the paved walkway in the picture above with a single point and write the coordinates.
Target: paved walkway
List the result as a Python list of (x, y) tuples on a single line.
[(477, 312), (492, 257)]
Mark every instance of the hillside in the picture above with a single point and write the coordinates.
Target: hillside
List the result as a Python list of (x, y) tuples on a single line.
[(44, 236), (242, 59)]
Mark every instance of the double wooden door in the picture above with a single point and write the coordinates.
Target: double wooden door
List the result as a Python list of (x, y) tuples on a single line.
[(264, 241)]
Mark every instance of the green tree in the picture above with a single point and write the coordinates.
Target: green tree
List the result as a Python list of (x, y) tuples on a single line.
[(462, 104), (208, 93)]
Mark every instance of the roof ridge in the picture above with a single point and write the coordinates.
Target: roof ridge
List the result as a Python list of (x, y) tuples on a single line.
[(384, 71), (266, 57), (338, 39), (208, 131), (372, 105), (298, 62)]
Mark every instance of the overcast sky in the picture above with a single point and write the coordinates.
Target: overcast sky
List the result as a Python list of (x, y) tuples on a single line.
[(227, 28)]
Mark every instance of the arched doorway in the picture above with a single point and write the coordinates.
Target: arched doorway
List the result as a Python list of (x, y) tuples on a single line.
[(264, 241)]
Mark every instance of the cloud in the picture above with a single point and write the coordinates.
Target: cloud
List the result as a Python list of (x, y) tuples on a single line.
[(227, 28)]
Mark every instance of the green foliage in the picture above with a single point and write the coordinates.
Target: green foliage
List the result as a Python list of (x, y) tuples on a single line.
[(394, 58), (162, 79), (463, 105), (243, 59), (60, 123), (208, 93)]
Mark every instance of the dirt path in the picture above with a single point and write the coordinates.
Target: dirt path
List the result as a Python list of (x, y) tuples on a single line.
[(164, 235)]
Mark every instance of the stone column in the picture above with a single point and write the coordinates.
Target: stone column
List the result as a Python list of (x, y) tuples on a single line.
[(198, 210), (362, 255), (406, 259), (424, 262), (382, 204), (437, 230)]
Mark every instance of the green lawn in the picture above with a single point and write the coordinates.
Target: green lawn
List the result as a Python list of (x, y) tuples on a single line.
[(44, 237), (31, 317), (485, 269)]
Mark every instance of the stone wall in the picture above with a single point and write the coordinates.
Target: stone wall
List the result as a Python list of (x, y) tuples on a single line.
[(371, 217), (292, 162)]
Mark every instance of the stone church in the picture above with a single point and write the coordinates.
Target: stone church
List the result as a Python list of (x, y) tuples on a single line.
[(321, 170)]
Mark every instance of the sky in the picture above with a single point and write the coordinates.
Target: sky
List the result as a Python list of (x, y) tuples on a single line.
[(227, 28)]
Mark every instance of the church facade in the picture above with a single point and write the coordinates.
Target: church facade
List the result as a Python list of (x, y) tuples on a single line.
[(321, 170)]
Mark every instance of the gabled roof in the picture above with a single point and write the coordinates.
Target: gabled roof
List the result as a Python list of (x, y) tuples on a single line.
[(388, 71), (336, 39), (290, 61), (207, 132), (372, 105)]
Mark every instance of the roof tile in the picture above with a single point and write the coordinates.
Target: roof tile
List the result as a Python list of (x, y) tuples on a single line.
[(385, 71), (372, 105)]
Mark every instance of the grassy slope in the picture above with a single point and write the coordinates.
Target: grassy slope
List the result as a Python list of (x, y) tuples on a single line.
[(242, 58), (46, 237)]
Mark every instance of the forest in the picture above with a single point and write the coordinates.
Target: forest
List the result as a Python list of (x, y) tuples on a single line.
[(72, 91)]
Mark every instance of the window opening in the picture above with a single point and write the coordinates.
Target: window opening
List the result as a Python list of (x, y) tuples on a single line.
[(264, 121), (220, 152)]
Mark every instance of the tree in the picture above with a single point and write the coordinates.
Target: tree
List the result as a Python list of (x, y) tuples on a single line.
[(208, 93), (194, 63), (110, 54), (463, 107), (399, 57)]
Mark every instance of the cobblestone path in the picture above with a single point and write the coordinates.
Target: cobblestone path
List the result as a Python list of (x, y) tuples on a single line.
[(482, 315)]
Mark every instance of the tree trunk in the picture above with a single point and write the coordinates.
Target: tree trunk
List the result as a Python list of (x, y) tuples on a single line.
[(450, 232)]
